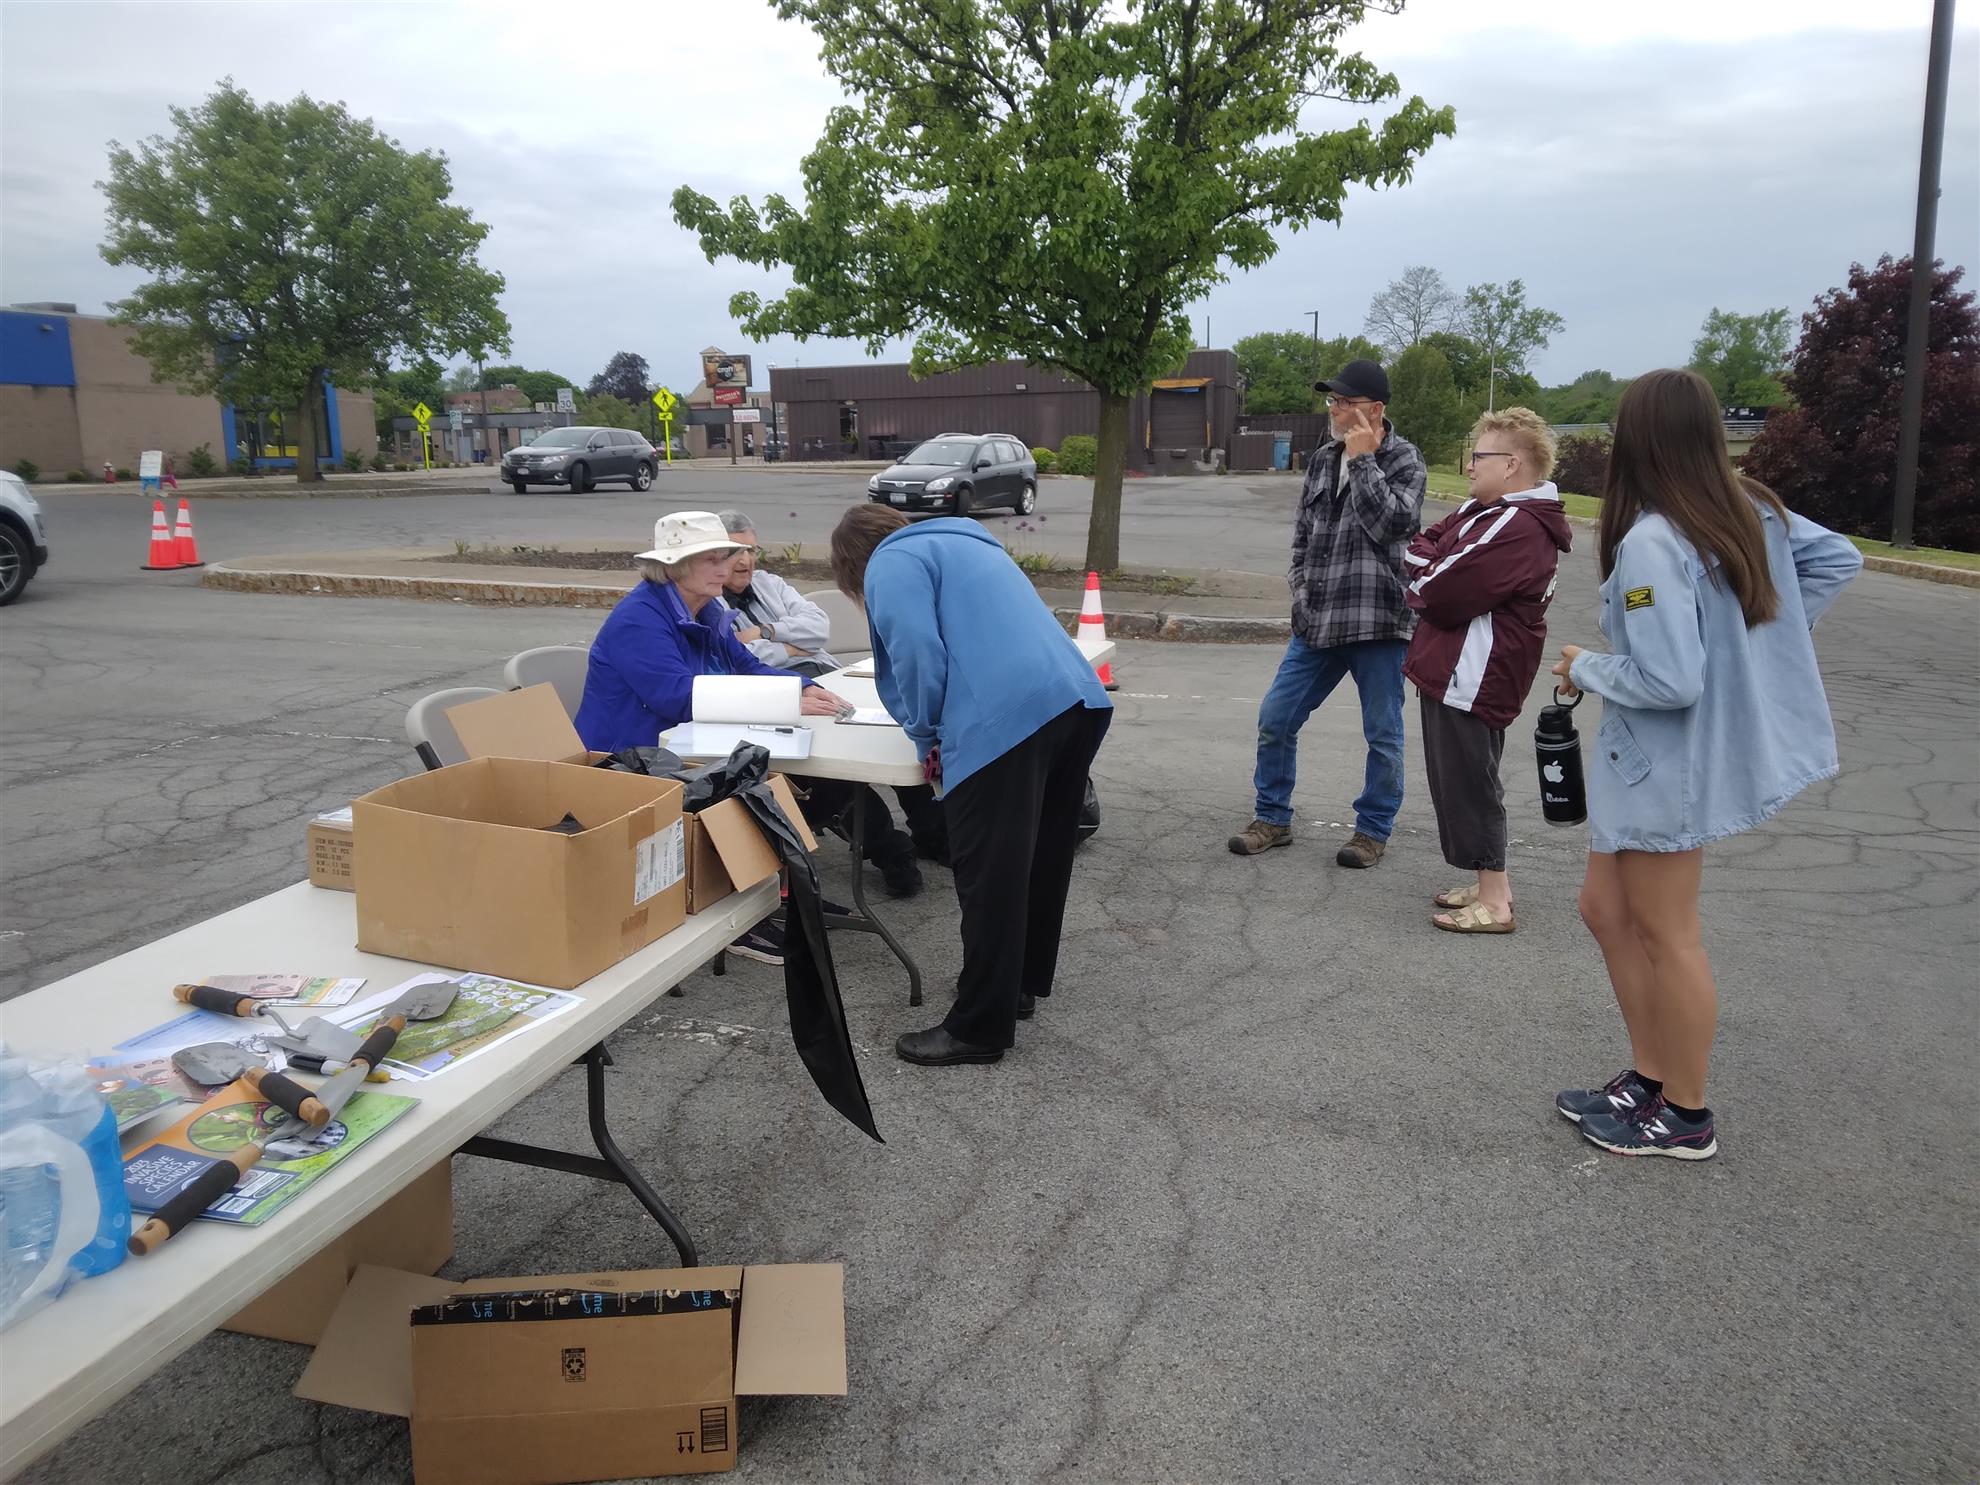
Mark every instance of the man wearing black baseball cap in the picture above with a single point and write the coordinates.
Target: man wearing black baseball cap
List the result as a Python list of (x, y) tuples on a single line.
[(1358, 509)]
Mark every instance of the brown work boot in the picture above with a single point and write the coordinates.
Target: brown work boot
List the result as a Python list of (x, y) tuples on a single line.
[(1361, 851), (1260, 835)]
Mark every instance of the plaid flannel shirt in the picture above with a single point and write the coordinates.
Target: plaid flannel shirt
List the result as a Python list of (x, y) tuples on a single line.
[(1356, 517)]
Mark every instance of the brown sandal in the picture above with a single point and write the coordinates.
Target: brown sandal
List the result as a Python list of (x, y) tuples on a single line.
[(1477, 918), (1457, 897)]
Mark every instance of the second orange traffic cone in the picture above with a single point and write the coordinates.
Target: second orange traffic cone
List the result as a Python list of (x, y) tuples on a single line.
[(164, 551), (1093, 625), (182, 539)]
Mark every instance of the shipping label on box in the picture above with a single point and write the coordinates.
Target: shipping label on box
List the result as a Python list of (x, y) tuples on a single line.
[(329, 844)]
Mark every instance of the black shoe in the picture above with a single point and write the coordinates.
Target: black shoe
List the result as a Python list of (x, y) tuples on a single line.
[(936, 1048), (1620, 1096), (764, 943), (1027, 1005), (833, 909), (933, 845), (900, 875)]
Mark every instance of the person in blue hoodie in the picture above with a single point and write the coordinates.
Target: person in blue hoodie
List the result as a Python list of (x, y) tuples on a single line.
[(1007, 716), (1713, 718)]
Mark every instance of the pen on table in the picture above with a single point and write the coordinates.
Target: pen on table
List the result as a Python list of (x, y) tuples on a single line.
[(787, 731)]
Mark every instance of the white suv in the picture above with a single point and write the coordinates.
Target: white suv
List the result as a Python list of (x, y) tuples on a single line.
[(23, 539)]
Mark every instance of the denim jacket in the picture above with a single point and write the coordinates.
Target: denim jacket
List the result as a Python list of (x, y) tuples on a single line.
[(1708, 727)]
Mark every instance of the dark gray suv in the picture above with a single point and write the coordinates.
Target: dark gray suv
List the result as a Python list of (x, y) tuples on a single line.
[(961, 472), (580, 457)]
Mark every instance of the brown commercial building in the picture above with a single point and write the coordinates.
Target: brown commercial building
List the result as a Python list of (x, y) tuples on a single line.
[(74, 396), (877, 412)]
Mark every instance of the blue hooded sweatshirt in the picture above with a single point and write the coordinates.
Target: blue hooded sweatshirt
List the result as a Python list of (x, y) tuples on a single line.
[(966, 654), (640, 679)]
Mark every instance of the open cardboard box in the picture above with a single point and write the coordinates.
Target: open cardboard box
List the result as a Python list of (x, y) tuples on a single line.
[(725, 851), (579, 1377), (468, 867)]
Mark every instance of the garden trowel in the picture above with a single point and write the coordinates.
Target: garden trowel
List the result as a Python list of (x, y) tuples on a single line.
[(216, 1064), (421, 1003)]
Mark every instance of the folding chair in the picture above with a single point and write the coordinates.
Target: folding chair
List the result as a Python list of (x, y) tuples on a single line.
[(563, 666), (429, 731), (850, 640)]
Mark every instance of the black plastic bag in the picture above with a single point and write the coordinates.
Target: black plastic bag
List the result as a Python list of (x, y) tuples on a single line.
[(1089, 813), (811, 982)]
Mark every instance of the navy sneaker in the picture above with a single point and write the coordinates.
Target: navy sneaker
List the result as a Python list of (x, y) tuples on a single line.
[(764, 943), (1620, 1096), (1653, 1129)]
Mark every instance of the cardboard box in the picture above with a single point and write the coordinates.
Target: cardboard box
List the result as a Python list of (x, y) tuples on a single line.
[(466, 867), (414, 1231), (328, 842), (581, 1376), (724, 849)]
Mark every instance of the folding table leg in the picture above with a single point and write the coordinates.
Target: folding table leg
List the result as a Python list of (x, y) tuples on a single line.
[(613, 1166), (868, 921)]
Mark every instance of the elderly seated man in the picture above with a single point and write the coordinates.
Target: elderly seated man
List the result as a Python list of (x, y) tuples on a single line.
[(784, 629)]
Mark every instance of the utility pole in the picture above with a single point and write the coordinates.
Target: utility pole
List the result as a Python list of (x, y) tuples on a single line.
[(1918, 328), (481, 380)]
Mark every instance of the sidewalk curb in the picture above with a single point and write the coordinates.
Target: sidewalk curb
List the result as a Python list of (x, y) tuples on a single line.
[(1175, 627), (193, 492)]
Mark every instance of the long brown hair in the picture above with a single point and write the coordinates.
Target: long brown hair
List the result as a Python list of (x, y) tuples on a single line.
[(862, 528), (1670, 457)]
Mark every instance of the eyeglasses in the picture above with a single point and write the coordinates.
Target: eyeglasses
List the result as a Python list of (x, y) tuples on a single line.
[(1334, 402), (1477, 454)]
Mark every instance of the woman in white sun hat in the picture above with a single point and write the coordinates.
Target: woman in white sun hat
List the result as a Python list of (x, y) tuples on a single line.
[(668, 630), (658, 638)]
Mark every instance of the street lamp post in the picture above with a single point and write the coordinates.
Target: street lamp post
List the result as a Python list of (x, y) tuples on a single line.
[(1911, 409)]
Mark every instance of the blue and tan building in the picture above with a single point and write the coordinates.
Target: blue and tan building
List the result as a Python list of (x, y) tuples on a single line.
[(75, 396)]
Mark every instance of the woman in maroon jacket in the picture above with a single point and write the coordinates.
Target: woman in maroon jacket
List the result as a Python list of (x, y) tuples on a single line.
[(1480, 581)]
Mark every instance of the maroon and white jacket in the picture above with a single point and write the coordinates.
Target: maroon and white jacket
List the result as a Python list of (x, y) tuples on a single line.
[(1480, 581)]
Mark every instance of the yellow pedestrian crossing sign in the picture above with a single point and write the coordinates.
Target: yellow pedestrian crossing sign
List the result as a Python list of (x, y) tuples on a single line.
[(665, 402), (422, 415)]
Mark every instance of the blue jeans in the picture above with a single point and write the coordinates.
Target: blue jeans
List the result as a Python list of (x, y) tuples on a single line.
[(1306, 678)]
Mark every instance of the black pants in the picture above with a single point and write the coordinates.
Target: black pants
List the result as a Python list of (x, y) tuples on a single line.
[(1461, 756), (827, 806), (1013, 829)]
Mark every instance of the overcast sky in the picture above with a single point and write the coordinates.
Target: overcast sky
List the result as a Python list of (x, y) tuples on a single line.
[(1636, 165)]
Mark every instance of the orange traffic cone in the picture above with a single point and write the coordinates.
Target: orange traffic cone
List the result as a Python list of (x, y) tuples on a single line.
[(1090, 615), (182, 539), (164, 551)]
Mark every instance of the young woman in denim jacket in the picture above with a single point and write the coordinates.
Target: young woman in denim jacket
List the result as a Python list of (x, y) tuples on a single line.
[(1713, 717)]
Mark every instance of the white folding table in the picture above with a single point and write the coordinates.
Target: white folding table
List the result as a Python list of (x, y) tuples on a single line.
[(879, 756), (73, 1359)]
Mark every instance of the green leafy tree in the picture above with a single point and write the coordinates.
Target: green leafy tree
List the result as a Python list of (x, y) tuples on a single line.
[(397, 393), (290, 243), (537, 386), (1416, 305), (1589, 398), (1742, 356), (1467, 358), (606, 411), (1277, 368), (1499, 319), (1057, 181), (461, 379), (1424, 404), (626, 377)]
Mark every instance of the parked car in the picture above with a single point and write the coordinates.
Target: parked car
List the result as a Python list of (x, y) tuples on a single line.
[(23, 539), (581, 457), (961, 472)]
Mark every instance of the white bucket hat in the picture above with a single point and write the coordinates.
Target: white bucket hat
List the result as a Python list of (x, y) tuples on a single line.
[(686, 532)]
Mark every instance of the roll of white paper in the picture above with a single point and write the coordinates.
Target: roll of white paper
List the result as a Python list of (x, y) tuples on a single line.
[(746, 698)]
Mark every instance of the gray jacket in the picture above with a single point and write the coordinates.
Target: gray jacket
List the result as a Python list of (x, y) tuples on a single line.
[(1356, 517), (792, 619), (1708, 727)]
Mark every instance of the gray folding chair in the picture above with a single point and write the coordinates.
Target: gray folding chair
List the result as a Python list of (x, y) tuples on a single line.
[(563, 666), (429, 731), (850, 641)]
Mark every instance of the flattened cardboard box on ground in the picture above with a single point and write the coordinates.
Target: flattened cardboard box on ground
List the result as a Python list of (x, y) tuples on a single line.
[(725, 851), (414, 1231), (577, 1377), (467, 867), (327, 842)]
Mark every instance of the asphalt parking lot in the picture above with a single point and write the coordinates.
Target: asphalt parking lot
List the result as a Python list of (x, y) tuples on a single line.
[(1271, 1191)]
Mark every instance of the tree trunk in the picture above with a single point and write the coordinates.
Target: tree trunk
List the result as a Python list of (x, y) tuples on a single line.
[(308, 471), (1103, 532)]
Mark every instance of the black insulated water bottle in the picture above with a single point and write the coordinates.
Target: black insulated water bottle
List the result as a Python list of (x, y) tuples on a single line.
[(1563, 791)]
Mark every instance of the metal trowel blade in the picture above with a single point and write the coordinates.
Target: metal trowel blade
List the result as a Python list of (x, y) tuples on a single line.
[(213, 1064)]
